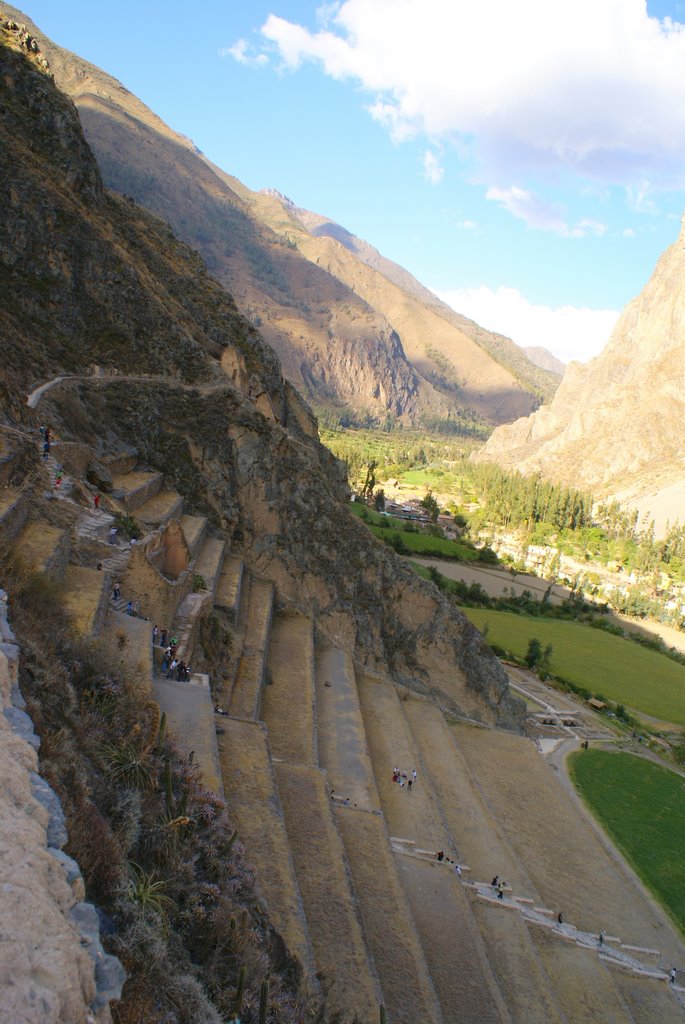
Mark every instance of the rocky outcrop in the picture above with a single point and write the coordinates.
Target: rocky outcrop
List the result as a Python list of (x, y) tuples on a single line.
[(53, 969), (615, 423)]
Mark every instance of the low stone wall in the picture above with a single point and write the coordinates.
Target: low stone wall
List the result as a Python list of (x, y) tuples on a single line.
[(53, 969)]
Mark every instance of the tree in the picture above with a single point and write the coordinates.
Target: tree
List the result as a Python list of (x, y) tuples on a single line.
[(431, 506), (379, 500), (534, 653), (370, 481)]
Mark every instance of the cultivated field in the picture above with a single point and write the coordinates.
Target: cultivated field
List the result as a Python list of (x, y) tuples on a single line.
[(619, 669), (642, 807)]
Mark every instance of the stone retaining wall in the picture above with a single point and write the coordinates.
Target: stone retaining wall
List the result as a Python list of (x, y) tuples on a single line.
[(53, 969)]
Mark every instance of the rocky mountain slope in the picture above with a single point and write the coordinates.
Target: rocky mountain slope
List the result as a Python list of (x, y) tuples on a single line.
[(311, 889), (615, 423), (540, 374), (543, 358), (347, 335)]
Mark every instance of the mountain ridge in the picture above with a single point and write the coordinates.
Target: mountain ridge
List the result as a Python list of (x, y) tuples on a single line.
[(615, 423), (334, 344)]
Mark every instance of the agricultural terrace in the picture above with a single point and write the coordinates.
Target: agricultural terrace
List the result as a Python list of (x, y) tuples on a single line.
[(642, 807), (642, 679), (410, 541)]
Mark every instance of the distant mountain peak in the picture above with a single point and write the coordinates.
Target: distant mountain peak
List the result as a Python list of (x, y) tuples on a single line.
[(275, 194)]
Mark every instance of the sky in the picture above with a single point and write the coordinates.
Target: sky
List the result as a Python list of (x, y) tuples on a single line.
[(524, 160)]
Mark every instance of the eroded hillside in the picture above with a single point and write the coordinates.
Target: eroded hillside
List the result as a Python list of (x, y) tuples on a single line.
[(347, 336), (614, 424)]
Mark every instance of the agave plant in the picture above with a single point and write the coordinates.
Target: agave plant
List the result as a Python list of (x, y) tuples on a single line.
[(147, 892)]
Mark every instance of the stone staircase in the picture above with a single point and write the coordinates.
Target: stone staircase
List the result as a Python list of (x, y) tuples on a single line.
[(190, 716), (54, 467)]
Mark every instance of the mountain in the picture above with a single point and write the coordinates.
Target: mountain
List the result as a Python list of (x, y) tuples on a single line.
[(615, 424), (237, 834), (166, 404), (545, 359), (348, 336)]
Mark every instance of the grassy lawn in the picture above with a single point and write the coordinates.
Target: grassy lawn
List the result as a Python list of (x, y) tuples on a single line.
[(417, 543), (642, 807), (619, 669)]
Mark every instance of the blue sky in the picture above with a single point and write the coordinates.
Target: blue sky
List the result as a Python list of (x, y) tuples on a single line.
[(525, 160)]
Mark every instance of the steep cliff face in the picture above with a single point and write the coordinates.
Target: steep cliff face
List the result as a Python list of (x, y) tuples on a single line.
[(349, 328), (615, 423), (201, 396)]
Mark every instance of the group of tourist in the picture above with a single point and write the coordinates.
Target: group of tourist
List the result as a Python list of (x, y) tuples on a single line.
[(404, 778), (172, 666)]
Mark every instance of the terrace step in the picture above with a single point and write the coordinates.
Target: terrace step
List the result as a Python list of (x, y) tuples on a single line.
[(190, 715), (254, 805), (15, 506), (648, 1002), (160, 508), (194, 530), (132, 490), (247, 691), (340, 952), (209, 562), (408, 991), (438, 901), (343, 750), (45, 548), (230, 586), (541, 824), (85, 598), (288, 701)]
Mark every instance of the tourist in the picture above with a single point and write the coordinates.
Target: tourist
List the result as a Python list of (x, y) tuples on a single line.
[(96, 502), (162, 638), (129, 608), (672, 976), (500, 890), (155, 634), (494, 882), (113, 535), (440, 855), (46, 449), (600, 939), (457, 869), (560, 917), (172, 668)]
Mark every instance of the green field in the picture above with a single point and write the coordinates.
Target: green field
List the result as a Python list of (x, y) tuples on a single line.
[(416, 543), (642, 807), (621, 670)]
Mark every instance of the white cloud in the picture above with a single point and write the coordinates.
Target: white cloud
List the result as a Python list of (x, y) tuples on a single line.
[(628, 233), (433, 171), (537, 213), (570, 332), (241, 52), (467, 225), (639, 199), (596, 86)]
